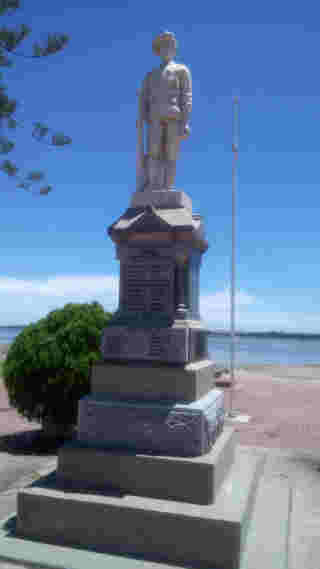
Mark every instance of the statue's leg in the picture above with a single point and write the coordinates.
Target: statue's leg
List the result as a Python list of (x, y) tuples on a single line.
[(172, 149), (154, 152)]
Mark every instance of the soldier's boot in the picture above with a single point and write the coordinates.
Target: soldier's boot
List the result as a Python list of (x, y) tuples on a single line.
[(170, 174)]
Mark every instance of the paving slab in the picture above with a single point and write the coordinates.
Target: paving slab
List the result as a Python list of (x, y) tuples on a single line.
[(15, 467), (304, 537), (17, 472), (267, 543), (284, 531)]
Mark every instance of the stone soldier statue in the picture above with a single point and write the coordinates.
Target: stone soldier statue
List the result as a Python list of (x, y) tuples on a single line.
[(165, 103)]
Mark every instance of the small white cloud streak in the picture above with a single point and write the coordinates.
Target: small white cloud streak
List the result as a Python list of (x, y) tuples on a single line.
[(215, 307), (220, 301), (58, 286), (23, 301), (26, 300), (253, 314)]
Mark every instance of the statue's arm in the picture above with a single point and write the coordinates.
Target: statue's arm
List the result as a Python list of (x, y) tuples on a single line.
[(185, 96)]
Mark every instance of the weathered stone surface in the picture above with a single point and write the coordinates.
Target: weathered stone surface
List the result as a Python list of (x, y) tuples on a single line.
[(162, 199), (175, 429), (151, 382), (162, 530), (196, 480)]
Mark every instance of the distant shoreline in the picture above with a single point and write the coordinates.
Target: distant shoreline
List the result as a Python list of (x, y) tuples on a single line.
[(225, 334), (269, 335), (12, 325)]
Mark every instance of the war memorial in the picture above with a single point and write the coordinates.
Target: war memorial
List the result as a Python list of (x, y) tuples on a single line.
[(153, 473)]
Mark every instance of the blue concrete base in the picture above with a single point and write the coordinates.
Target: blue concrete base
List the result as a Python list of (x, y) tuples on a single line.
[(175, 429)]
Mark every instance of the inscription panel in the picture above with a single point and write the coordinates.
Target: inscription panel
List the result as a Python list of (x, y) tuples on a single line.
[(149, 285), (158, 344), (119, 342)]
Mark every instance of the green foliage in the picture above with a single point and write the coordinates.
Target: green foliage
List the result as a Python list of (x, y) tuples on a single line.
[(10, 39), (55, 42), (9, 168), (48, 364)]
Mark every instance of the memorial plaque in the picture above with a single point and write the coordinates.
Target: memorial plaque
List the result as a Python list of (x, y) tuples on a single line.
[(149, 285), (162, 344)]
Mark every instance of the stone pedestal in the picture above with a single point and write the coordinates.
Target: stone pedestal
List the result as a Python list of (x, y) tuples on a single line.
[(152, 472)]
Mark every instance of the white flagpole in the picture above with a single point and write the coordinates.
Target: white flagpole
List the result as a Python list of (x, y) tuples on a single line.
[(235, 148)]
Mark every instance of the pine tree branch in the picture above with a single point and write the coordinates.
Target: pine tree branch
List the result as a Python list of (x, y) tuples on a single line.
[(10, 39), (55, 43)]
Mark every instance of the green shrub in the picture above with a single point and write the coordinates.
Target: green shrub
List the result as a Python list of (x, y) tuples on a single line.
[(48, 364)]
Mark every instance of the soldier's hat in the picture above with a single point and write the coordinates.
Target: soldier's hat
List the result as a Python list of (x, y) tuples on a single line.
[(164, 38)]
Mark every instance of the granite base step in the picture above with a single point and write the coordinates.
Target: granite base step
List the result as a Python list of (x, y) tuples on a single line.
[(175, 429), (159, 530), (196, 480)]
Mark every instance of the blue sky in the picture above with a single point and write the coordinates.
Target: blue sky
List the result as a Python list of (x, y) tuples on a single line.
[(54, 249)]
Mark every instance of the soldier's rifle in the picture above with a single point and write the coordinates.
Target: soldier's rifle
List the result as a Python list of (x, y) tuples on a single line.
[(140, 146)]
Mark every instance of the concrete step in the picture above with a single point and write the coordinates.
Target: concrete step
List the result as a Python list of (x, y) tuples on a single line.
[(196, 480), (158, 530), (152, 382)]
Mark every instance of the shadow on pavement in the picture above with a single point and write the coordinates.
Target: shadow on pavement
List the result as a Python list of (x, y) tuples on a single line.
[(30, 442)]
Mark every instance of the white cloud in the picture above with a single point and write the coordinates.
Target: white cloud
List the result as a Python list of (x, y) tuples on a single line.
[(26, 300), (23, 301), (78, 285), (254, 314), (220, 301), (215, 308)]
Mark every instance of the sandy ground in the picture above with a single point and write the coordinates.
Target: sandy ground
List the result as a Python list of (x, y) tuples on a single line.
[(279, 406)]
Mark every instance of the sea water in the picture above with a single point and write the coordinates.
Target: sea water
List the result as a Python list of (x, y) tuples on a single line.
[(8, 333), (248, 350), (261, 350)]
